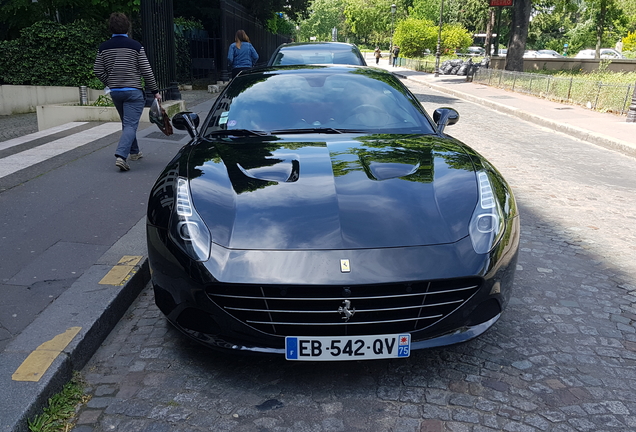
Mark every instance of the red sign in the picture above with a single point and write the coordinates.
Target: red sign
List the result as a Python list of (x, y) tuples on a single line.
[(500, 3)]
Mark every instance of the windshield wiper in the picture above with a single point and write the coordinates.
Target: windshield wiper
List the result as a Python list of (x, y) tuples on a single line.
[(239, 132), (314, 130)]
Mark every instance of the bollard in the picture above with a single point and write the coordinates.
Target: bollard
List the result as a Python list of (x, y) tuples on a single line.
[(83, 92)]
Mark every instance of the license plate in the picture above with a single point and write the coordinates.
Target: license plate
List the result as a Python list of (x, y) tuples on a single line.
[(347, 347)]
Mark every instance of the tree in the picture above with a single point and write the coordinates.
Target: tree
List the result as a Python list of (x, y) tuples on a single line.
[(369, 20), (324, 15), (518, 35), (265, 9), (629, 9)]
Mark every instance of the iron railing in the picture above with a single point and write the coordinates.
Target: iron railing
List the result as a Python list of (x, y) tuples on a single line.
[(158, 38), (599, 96)]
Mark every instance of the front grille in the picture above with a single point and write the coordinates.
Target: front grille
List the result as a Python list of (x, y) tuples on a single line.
[(310, 310)]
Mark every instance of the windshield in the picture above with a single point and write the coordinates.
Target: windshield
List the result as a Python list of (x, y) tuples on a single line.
[(314, 101), (317, 54)]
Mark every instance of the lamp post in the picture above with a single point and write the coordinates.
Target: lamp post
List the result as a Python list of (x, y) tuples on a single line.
[(439, 38), (393, 8)]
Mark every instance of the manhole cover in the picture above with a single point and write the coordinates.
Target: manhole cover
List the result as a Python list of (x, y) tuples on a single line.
[(161, 136)]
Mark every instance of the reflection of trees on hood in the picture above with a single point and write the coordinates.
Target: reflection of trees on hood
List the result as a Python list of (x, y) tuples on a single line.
[(248, 153), (413, 151)]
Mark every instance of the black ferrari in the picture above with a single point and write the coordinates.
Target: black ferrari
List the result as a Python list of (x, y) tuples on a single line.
[(319, 213)]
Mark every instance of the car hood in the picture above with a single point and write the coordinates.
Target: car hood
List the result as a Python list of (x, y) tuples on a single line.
[(343, 192)]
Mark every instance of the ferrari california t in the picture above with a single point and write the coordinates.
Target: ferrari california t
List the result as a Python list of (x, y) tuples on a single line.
[(319, 213)]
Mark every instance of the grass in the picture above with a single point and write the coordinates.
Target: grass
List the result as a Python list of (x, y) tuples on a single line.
[(59, 415), (600, 75)]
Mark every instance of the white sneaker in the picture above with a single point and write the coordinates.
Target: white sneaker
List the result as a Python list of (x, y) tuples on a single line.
[(136, 156), (121, 164)]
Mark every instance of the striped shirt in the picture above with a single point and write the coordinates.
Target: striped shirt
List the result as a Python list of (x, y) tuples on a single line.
[(121, 62)]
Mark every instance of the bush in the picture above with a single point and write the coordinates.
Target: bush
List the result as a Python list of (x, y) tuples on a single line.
[(414, 36), (629, 42), (455, 37), (53, 54)]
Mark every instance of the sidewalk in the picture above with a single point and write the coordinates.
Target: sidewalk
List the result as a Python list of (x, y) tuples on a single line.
[(38, 361), (602, 129)]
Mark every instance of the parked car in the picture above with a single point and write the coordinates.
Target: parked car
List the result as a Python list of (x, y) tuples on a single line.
[(475, 51), (606, 53), (319, 213), (529, 54), (317, 53), (548, 54)]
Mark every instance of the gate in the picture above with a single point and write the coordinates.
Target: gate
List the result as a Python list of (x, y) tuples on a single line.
[(204, 55)]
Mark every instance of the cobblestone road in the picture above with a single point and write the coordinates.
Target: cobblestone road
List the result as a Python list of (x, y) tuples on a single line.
[(561, 358)]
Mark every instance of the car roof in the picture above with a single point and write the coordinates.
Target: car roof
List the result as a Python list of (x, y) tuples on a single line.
[(302, 68), (330, 45), (302, 53)]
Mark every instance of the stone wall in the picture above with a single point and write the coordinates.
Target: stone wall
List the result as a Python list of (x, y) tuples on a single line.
[(587, 65), (15, 99)]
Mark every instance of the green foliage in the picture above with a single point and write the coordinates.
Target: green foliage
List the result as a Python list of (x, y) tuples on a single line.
[(324, 15), (414, 36), (279, 24), (49, 53), (58, 416), (103, 101), (183, 59), (472, 14), (369, 20), (455, 37), (263, 10), (629, 42), (188, 23), (18, 14)]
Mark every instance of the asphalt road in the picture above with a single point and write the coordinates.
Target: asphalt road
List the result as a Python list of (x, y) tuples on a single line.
[(561, 358)]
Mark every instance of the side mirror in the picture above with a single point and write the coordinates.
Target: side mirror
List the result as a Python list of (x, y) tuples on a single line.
[(445, 117), (187, 121)]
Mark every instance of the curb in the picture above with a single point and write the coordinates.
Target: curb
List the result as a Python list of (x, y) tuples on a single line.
[(86, 304), (582, 134)]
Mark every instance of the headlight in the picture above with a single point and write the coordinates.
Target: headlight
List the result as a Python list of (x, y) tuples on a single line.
[(487, 223), (187, 229)]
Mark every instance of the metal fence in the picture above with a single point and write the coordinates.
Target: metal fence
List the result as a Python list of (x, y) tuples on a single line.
[(158, 37), (417, 64), (614, 98)]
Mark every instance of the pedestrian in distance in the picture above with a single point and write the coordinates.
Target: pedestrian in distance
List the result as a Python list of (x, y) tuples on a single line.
[(396, 53), (241, 55), (120, 64), (378, 55)]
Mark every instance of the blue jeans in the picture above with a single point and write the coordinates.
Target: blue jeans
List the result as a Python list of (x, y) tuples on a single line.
[(130, 105)]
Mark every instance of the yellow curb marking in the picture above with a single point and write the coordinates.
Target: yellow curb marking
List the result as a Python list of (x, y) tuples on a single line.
[(37, 363), (120, 273)]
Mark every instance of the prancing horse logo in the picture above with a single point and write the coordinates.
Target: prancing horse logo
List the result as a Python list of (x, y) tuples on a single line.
[(348, 313)]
